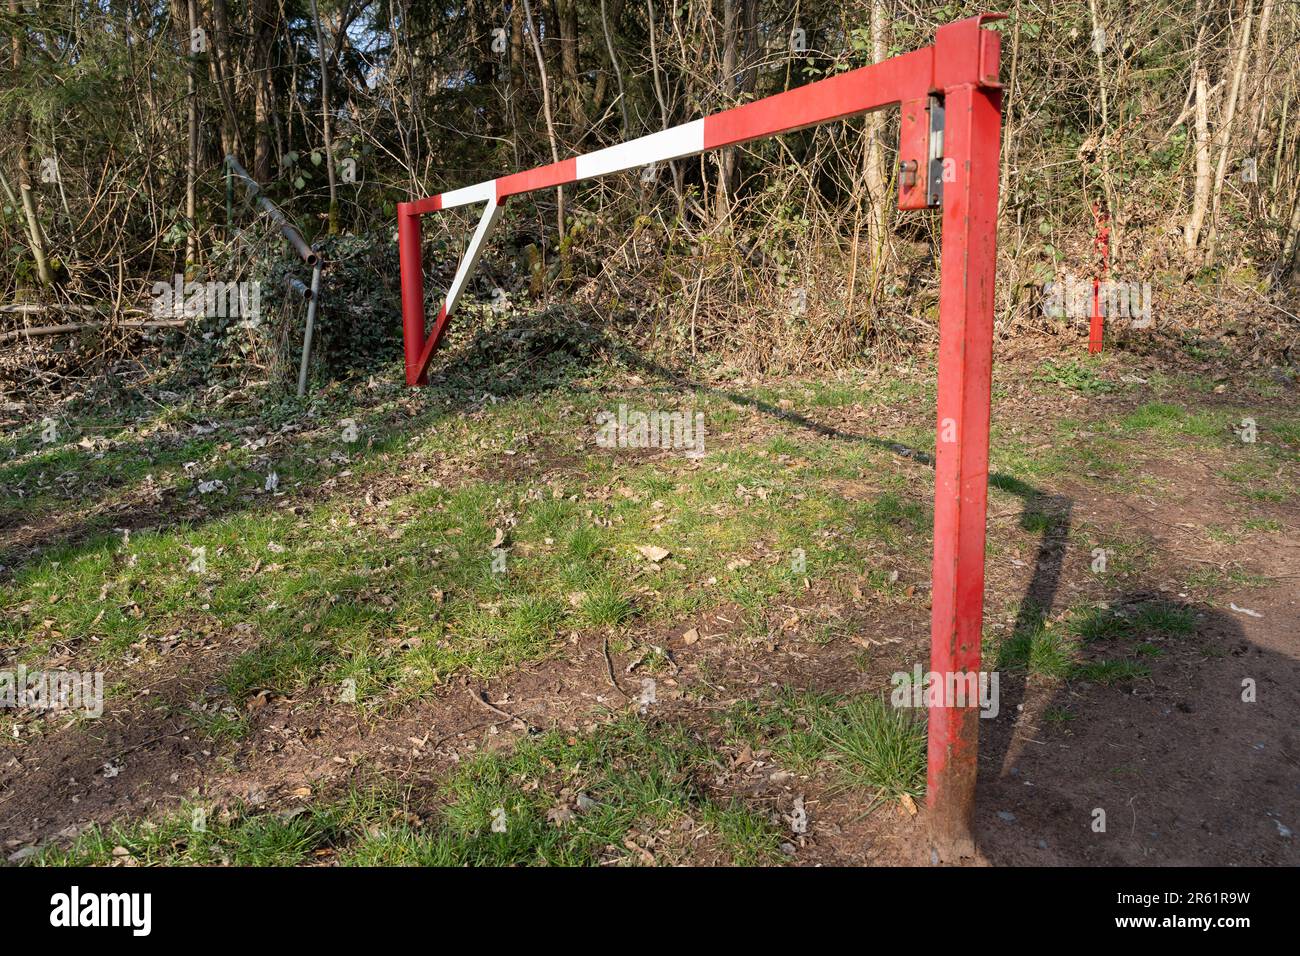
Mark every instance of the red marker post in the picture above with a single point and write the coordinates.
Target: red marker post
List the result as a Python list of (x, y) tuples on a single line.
[(1101, 245)]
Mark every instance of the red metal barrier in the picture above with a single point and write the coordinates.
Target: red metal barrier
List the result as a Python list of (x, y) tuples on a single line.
[(948, 156)]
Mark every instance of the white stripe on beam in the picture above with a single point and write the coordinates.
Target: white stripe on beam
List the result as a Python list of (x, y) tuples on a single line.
[(490, 216), (673, 143), (479, 192)]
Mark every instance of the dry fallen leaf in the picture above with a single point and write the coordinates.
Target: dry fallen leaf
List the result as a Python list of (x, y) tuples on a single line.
[(560, 815), (654, 552), (647, 857)]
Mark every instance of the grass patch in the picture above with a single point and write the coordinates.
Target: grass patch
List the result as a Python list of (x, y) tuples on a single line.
[(1075, 376), (1056, 649), (868, 744), (555, 800)]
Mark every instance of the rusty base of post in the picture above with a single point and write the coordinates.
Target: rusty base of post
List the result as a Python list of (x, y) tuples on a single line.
[(950, 816), (950, 845)]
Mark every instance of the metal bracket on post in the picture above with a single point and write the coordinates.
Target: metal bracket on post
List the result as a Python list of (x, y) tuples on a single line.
[(913, 155), (920, 153), (934, 157)]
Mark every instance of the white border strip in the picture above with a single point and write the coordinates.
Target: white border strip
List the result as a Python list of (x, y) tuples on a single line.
[(479, 192), (673, 143)]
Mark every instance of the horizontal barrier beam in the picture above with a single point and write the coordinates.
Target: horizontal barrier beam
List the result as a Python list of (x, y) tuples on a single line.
[(963, 53)]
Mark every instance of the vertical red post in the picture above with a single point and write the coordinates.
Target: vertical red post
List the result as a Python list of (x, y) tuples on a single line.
[(1097, 326), (411, 259), (972, 133)]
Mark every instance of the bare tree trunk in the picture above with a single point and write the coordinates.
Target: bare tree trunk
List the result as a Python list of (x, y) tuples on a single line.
[(263, 15), (35, 236), (326, 121), (1223, 134), (749, 51), (517, 48), (567, 23), (618, 70), (1259, 89), (1277, 153), (546, 109), (1204, 175), (678, 174), (222, 67), (278, 122), (727, 157), (1293, 239), (22, 129), (192, 154), (876, 180), (1099, 46)]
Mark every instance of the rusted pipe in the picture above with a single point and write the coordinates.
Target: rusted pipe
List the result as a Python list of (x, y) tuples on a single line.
[(298, 287), (313, 296), (290, 231)]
